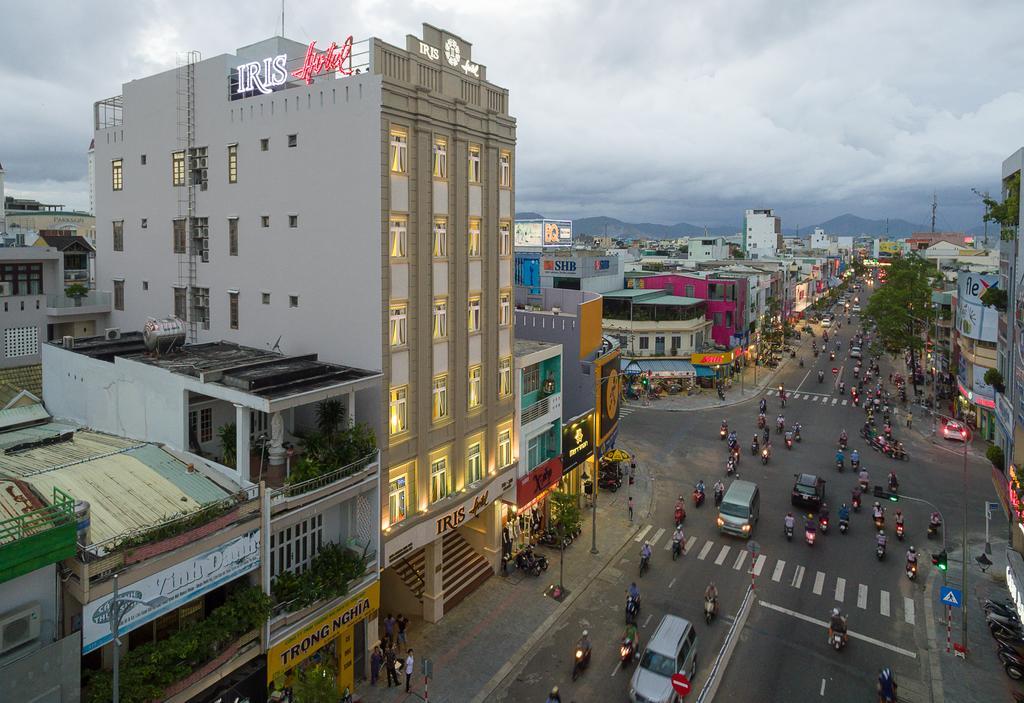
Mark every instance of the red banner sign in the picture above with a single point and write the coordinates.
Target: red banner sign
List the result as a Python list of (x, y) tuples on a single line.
[(336, 58), (537, 481)]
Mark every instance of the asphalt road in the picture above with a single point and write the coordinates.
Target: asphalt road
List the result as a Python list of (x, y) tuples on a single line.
[(782, 652)]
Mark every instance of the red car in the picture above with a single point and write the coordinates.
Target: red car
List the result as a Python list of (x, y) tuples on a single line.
[(954, 430)]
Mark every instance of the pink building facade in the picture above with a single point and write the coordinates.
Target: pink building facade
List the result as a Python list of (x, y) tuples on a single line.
[(726, 301)]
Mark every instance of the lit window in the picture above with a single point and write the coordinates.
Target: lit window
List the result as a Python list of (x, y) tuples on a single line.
[(232, 163), (440, 319), (440, 393), (399, 151), (505, 170), (505, 377), (440, 158), (473, 246), (505, 309), (505, 238), (474, 463), (475, 389), (399, 313), (397, 500), (399, 237), (399, 410), (474, 163), (117, 174), (440, 238), (178, 168), (233, 310), (438, 479), (474, 314), (504, 448)]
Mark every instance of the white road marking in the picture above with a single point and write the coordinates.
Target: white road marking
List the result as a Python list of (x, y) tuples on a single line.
[(759, 564), (824, 399), (690, 542), (740, 558), (819, 583), (671, 583), (835, 400), (822, 686), (648, 620), (668, 545), (908, 610), (705, 549), (657, 536), (640, 535), (840, 589), (844, 402), (862, 596), (883, 603), (721, 555), (823, 624), (779, 566), (618, 665), (798, 577)]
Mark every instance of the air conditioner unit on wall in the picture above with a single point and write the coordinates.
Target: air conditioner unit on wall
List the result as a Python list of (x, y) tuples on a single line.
[(19, 627), (5, 288), (112, 333)]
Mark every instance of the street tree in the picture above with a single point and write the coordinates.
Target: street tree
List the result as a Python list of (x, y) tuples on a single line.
[(902, 307), (566, 517)]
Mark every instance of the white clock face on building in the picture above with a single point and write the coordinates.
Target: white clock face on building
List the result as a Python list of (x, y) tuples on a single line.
[(452, 52)]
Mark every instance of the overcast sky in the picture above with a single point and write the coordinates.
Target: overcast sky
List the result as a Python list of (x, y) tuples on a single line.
[(684, 110)]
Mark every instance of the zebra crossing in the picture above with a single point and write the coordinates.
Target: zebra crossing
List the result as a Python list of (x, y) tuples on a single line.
[(821, 584), (822, 398)]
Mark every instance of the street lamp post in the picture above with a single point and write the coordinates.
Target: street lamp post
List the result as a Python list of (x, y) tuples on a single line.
[(597, 462)]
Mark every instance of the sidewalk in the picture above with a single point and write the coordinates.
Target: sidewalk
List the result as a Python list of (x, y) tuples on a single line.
[(487, 636), (980, 678)]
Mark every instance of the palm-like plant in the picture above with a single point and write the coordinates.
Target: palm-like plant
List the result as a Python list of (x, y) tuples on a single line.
[(330, 414), (227, 435)]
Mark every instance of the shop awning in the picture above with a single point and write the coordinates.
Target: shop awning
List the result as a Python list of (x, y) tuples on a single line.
[(705, 371), (659, 368)]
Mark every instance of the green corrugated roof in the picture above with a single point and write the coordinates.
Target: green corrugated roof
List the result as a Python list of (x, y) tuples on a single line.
[(628, 293), (671, 300), (195, 485)]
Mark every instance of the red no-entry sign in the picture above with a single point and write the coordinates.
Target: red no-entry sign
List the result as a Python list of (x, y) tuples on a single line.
[(835, 371), (680, 684)]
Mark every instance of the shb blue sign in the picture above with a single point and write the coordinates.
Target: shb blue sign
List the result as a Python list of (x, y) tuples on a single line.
[(950, 596)]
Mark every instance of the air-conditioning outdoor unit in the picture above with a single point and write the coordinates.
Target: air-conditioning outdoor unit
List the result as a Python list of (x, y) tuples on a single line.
[(68, 342), (18, 627), (112, 333), (5, 288)]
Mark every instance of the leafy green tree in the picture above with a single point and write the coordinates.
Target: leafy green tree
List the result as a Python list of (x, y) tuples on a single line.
[(995, 379), (565, 517), (316, 684), (1006, 213), (995, 297), (902, 307)]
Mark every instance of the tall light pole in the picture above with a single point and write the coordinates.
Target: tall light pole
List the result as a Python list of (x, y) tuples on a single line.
[(597, 459)]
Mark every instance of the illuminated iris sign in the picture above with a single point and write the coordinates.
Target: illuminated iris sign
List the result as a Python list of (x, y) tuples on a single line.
[(261, 76)]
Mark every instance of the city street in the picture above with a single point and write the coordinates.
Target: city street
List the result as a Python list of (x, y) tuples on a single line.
[(796, 585)]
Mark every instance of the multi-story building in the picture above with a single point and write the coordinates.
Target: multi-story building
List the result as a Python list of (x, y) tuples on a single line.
[(725, 296), (975, 351), (28, 218), (707, 248), (762, 234), (653, 323), (1009, 408), (354, 200), (569, 269)]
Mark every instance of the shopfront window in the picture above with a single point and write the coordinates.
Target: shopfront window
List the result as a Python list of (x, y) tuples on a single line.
[(397, 500), (438, 479)]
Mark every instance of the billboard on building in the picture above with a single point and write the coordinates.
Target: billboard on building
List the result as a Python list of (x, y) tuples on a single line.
[(546, 233), (973, 318), (609, 392), (529, 234)]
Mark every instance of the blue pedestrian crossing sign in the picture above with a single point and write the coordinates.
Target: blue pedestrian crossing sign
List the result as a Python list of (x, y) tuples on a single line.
[(950, 596)]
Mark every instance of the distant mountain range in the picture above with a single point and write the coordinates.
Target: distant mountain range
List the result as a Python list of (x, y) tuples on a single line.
[(844, 225)]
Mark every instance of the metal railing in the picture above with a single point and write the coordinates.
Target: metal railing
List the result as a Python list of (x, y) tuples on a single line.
[(93, 297), (325, 479), (536, 410)]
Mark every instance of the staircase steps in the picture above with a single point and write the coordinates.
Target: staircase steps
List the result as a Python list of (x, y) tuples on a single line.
[(463, 569)]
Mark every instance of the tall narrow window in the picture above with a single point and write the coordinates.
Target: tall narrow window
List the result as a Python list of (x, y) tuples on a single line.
[(440, 397), (438, 479), (505, 170), (180, 309), (233, 309), (505, 309), (178, 233), (399, 150), (440, 157), (505, 238), (399, 237), (117, 174), (178, 168), (473, 242), (475, 386), (397, 499), (474, 163), (440, 318), (398, 317), (505, 377), (474, 313), (232, 163), (504, 448), (399, 415), (440, 237), (119, 295), (232, 236), (474, 463), (118, 227)]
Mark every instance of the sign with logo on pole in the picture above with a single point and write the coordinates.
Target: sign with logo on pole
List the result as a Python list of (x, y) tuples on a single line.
[(680, 684)]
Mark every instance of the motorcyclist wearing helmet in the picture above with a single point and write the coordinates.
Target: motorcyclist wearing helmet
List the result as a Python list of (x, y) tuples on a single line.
[(911, 555), (554, 696), (837, 623)]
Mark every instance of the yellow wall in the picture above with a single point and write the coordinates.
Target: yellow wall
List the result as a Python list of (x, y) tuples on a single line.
[(590, 326)]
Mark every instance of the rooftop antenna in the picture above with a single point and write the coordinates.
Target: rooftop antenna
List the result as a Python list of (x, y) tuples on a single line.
[(935, 204), (277, 345), (282, 18)]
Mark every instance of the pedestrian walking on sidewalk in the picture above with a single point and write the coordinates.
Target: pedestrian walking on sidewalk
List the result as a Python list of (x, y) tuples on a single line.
[(402, 622), (389, 627), (389, 665), (376, 659), (910, 419), (409, 662), (629, 503)]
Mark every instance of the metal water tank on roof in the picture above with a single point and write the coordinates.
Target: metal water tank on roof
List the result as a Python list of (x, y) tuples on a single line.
[(164, 335)]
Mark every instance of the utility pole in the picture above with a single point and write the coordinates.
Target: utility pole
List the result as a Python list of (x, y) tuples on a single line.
[(935, 204), (115, 625)]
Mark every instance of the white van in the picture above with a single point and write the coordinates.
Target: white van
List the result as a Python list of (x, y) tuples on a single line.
[(740, 509), (672, 649)]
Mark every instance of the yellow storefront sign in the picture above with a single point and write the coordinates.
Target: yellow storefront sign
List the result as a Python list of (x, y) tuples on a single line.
[(711, 359), (306, 642)]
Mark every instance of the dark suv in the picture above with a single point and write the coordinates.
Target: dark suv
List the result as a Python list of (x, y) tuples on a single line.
[(808, 491)]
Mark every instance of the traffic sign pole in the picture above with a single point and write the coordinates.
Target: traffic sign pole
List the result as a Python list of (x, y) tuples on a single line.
[(949, 627), (680, 684)]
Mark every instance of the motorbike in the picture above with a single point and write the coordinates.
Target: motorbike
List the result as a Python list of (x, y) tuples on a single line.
[(698, 497), (709, 610), (823, 524), (677, 549), (627, 650), (911, 570), (821, 376), (680, 514), (801, 362), (844, 525), (842, 389), (840, 465), (780, 426), (1013, 665), (880, 552), (880, 523), (831, 356), (843, 443), (899, 531), (580, 661), (855, 502), (765, 454), (645, 564), (855, 463), (789, 440), (898, 453), (796, 434), (761, 423), (809, 536), (754, 446), (933, 528), (718, 496), (609, 482), (838, 640), (789, 532), (730, 467), (527, 563), (888, 432), (632, 610), (723, 432)]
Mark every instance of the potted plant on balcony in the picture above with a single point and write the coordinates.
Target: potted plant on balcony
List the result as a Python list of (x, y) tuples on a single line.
[(76, 291)]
